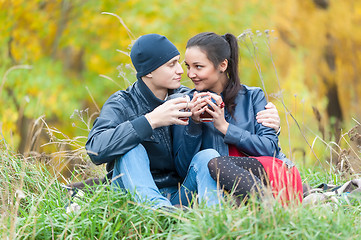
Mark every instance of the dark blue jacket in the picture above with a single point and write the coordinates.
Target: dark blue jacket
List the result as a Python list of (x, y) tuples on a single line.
[(244, 132), (121, 126)]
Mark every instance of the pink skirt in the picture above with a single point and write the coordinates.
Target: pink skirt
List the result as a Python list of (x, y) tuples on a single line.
[(286, 183)]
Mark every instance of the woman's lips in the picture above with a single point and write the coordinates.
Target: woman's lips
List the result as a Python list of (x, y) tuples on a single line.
[(196, 81)]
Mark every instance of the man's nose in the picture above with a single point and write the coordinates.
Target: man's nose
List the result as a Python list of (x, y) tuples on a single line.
[(180, 69)]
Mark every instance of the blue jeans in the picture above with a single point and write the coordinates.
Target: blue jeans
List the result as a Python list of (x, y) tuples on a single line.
[(132, 172)]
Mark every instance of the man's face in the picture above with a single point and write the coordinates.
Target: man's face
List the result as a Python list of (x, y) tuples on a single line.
[(167, 76)]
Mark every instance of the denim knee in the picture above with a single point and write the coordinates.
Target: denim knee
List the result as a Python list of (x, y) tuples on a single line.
[(134, 155), (201, 159)]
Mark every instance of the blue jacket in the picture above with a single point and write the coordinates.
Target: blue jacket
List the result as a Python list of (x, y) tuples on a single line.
[(244, 132), (121, 126)]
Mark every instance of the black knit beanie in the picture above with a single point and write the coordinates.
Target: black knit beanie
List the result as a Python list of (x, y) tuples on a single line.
[(150, 52)]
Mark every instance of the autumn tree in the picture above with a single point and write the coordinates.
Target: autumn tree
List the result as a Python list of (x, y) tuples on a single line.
[(326, 37)]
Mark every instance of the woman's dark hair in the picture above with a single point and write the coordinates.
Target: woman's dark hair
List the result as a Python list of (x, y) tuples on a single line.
[(218, 48)]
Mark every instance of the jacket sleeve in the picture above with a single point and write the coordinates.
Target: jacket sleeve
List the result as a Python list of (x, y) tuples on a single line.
[(186, 143), (264, 142), (113, 134)]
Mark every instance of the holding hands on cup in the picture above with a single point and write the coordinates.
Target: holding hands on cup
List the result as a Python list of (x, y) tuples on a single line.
[(171, 112), (209, 107), (204, 107), (199, 104)]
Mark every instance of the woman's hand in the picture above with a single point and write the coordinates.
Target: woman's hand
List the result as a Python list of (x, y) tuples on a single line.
[(219, 122), (199, 105)]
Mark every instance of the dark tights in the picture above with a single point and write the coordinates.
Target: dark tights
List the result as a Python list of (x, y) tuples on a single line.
[(242, 175)]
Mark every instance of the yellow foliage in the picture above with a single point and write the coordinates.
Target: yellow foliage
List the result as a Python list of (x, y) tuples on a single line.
[(9, 118), (331, 40)]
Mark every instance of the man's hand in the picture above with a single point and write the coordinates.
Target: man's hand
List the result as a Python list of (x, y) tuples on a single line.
[(269, 117), (169, 113)]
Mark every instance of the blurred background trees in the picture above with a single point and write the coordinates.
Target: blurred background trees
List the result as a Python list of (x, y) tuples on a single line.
[(61, 57)]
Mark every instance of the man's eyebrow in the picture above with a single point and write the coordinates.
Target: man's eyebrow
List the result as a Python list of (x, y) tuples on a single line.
[(174, 60)]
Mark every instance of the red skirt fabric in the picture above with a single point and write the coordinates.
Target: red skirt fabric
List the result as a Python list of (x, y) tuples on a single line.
[(286, 183)]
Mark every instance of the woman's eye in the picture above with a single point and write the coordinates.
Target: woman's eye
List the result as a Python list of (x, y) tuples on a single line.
[(198, 66)]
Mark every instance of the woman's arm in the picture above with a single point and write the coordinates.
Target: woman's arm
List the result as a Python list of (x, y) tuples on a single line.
[(261, 141)]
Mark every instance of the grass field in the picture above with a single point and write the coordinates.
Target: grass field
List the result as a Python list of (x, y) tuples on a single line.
[(33, 207)]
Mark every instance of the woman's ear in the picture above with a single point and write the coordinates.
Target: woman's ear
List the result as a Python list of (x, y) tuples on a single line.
[(223, 66)]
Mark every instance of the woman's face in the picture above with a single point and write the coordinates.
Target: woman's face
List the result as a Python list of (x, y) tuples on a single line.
[(202, 71)]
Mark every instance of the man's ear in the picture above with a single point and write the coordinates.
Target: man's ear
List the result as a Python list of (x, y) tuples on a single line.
[(223, 66), (149, 75)]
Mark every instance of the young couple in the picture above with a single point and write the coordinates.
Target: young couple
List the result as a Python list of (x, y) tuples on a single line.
[(164, 160)]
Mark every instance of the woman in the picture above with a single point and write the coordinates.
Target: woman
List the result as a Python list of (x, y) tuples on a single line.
[(212, 65)]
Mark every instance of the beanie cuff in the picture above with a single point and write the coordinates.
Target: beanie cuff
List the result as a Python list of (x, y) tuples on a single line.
[(157, 64)]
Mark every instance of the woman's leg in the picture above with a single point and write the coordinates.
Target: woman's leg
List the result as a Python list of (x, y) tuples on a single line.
[(242, 175)]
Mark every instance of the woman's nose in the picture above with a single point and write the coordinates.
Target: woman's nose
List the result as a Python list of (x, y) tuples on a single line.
[(190, 73)]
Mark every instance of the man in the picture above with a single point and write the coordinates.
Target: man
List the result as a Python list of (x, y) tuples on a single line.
[(132, 134)]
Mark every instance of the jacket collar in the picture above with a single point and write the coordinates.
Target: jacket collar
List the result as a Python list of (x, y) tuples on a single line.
[(243, 89), (148, 95)]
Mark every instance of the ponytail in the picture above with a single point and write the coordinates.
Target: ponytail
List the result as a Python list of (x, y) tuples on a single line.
[(234, 83)]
